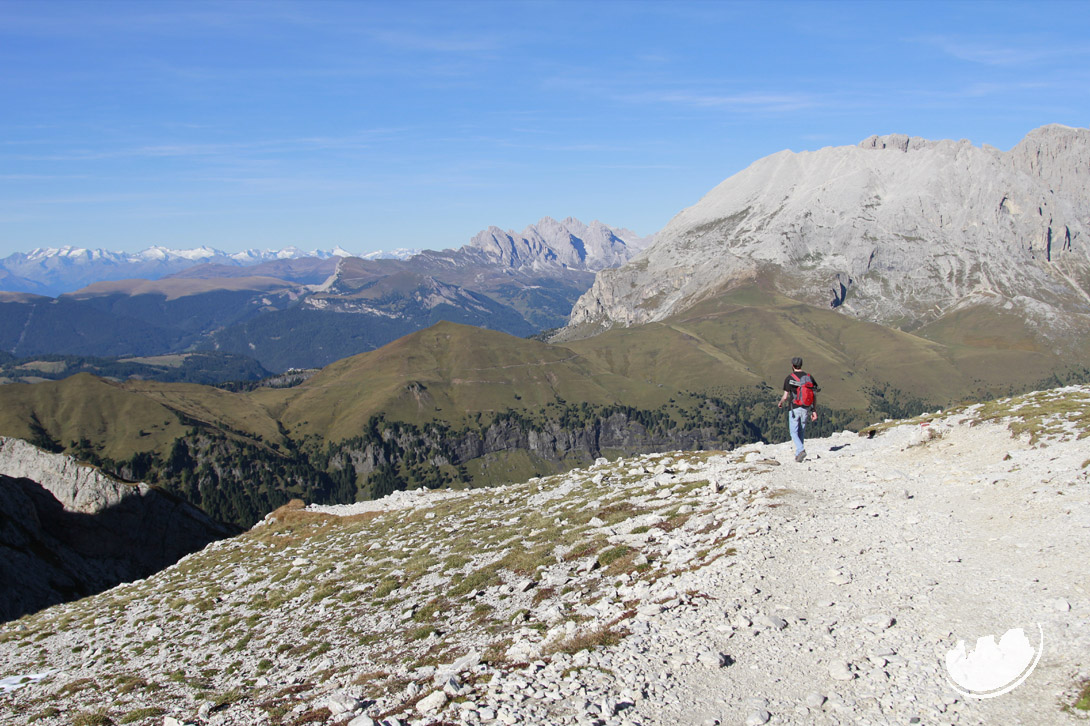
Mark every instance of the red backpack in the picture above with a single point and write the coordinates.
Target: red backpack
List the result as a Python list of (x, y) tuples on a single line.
[(804, 393)]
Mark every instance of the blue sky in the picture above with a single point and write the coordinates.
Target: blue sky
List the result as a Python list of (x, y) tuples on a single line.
[(375, 125)]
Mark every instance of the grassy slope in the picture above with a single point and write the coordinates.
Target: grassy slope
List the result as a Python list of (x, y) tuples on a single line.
[(451, 372), (230, 412), (84, 406), (447, 372), (747, 337), (998, 346)]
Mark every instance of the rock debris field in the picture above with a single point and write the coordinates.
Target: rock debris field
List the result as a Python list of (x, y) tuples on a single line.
[(685, 588)]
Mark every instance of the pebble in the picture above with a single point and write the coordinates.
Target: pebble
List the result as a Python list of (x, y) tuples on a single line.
[(878, 621), (362, 720), (430, 703), (712, 659), (771, 621), (839, 670), (756, 718)]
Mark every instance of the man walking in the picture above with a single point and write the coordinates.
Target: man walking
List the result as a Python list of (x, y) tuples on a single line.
[(800, 388)]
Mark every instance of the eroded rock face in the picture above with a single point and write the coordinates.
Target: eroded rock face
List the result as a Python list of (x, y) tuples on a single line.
[(898, 229), (68, 530), (570, 243)]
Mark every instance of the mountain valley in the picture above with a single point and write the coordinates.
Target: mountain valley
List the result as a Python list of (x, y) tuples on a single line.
[(308, 312), (444, 398)]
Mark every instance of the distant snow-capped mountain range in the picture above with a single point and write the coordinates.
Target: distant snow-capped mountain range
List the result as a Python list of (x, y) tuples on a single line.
[(56, 270), (291, 309), (564, 247)]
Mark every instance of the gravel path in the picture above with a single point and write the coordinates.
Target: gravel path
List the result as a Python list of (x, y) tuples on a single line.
[(882, 554)]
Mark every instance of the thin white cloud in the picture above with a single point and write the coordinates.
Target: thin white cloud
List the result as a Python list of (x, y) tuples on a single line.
[(683, 93), (1007, 53), (982, 90), (737, 101), (431, 43), (182, 150)]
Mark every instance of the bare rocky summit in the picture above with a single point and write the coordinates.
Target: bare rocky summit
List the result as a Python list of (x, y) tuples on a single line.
[(899, 230), (570, 243), (685, 588)]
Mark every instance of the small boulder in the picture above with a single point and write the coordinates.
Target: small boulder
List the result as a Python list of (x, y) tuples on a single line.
[(839, 670), (431, 703)]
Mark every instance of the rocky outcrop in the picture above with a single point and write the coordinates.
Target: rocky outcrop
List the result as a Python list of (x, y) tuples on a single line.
[(607, 432), (568, 244), (67, 530), (898, 229)]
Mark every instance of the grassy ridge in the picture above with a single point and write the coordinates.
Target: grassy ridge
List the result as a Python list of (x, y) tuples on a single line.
[(448, 373), (119, 422), (455, 405), (747, 335)]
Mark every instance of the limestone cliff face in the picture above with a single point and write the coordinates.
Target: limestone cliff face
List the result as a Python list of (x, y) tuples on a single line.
[(67, 530), (899, 230), (599, 435), (569, 244)]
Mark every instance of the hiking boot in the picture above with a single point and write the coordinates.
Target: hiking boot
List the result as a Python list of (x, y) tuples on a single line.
[(801, 455)]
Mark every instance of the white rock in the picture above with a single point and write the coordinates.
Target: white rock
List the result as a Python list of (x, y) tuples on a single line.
[(878, 621), (756, 718), (839, 670), (712, 659), (466, 662), (362, 720), (339, 702), (770, 621), (431, 703)]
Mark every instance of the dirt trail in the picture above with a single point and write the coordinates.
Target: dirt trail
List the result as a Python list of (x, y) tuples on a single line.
[(881, 555)]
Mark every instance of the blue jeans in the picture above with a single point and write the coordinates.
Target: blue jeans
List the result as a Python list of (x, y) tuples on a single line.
[(796, 422)]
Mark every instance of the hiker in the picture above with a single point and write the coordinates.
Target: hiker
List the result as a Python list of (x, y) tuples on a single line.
[(800, 387)]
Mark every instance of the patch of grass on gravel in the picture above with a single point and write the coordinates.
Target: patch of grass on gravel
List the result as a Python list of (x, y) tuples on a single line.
[(141, 714), (1038, 414), (1083, 701), (605, 636), (97, 718)]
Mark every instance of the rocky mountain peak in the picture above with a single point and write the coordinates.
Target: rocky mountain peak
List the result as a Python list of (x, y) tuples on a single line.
[(898, 230), (569, 243), (1057, 156), (901, 142)]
